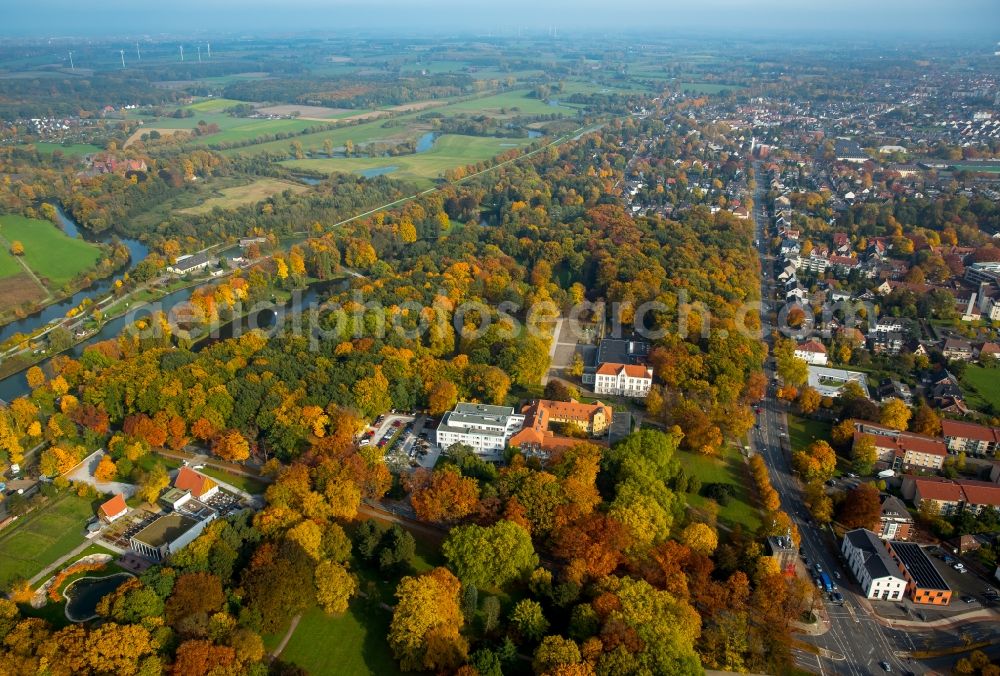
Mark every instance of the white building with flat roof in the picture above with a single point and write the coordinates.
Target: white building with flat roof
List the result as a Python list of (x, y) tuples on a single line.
[(486, 429), (829, 382)]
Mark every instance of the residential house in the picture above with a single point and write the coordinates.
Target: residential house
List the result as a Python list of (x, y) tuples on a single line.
[(895, 522), (812, 352), (113, 509), (949, 497), (970, 438), (623, 380), (872, 566), (200, 486), (903, 450)]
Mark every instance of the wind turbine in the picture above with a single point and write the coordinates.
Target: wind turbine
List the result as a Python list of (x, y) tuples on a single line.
[(209, 45), (199, 53), (71, 66), (138, 54), (182, 52), (122, 52)]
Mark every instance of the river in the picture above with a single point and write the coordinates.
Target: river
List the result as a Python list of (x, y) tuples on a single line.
[(99, 289)]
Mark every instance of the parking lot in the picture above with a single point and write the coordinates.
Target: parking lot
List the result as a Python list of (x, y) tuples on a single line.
[(407, 441)]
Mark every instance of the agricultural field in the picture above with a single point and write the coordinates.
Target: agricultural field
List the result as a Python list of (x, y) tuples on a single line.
[(449, 151), (51, 254), (725, 469), (42, 536), (213, 105), (406, 126), (227, 198), (306, 112), (74, 150)]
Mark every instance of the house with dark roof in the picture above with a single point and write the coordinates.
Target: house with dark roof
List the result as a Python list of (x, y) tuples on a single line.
[(924, 583), (191, 263), (895, 521), (872, 566)]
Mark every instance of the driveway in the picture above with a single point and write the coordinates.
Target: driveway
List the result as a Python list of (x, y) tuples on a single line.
[(84, 472)]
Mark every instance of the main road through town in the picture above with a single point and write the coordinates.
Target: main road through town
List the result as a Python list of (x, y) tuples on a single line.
[(856, 643)]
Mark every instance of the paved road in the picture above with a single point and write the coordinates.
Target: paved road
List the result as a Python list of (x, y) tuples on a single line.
[(856, 642)]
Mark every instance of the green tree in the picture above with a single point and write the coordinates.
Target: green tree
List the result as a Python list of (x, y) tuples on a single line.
[(529, 620), (491, 556)]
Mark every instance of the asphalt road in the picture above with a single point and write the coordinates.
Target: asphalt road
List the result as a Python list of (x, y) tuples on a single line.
[(855, 644)]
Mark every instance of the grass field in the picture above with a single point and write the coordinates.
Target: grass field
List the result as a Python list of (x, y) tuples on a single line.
[(981, 387), (48, 251), (9, 266), (245, 194), (449, 151), (706, 87), (214, 105), (244, 483), (500, 105), (39, 538), (727, 469), (74, 150), (353, 644), (804, 431)]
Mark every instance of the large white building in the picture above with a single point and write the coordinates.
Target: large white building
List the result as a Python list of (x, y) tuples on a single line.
[(623, 380), (486, 429), (872, 565)]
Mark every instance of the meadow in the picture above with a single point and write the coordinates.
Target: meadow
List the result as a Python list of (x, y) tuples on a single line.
[(406, 126), (72, 150), (50, 253), (981, 387), (449, 151), (353, 643), (227, 198), (728, 468), (42, 536)]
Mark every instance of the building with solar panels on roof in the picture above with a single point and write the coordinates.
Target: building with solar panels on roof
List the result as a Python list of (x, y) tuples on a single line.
[(924, 583)]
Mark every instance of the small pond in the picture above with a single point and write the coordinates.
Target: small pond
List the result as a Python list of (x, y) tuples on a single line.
[(83, 595), (378, 171)]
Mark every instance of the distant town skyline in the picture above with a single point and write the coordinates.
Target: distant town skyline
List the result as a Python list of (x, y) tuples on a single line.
[(736, 18)]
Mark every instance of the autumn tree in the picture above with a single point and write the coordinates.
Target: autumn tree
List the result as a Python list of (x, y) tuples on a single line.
[(861, 508), (926, 421), (106, 470), (816, 461), (895, 414), (231, 445), (425, 630), (809, 400), (442, 397), (700, 537), (334, 587), (528, 619), (864, 454), (443, 496)]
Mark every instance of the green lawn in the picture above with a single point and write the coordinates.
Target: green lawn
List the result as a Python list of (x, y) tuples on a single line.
[(8, 264), (727, 469), (49, 252), (73, 150), (353, 644), (42, 536), (244, 483), (505, 103), (449, 151), (981, 387), (804, 431)]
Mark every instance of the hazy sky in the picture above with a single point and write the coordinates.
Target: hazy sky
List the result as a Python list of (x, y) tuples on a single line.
[(975, 19)]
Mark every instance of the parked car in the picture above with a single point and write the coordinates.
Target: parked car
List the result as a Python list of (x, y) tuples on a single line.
[(885, 666)]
